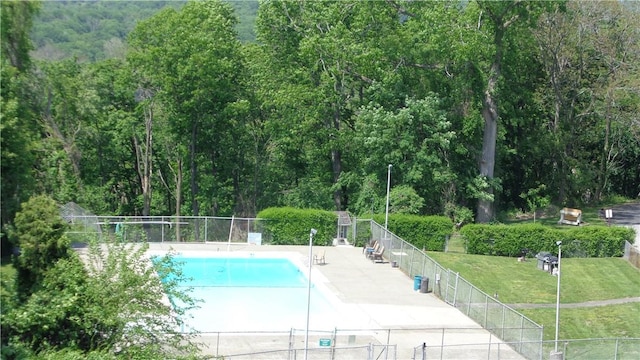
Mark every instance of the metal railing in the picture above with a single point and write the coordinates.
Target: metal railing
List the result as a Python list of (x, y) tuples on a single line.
[(513, 331), (171, 228), (382, 344), (631, 254), (520, 332), (366, 352)]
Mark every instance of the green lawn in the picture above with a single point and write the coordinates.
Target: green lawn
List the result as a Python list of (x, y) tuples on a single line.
[(594, 322), (7, 272), (582, 280)]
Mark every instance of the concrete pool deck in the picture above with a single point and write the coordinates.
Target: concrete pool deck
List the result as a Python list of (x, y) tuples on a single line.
[(379, 296)]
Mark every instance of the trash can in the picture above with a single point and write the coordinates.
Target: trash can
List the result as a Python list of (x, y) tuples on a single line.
[(416, 282), (424, 285)]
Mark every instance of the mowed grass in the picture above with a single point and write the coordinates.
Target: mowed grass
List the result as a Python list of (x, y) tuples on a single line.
[(522, 282), (582, 280), (610, 321), (7, 273)]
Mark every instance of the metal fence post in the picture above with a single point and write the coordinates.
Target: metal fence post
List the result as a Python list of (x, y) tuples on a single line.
[(386, 348), (333, 343), (206, 229), (486, 311), (411, 263), (217, 344), (290, 343), (442, 345)]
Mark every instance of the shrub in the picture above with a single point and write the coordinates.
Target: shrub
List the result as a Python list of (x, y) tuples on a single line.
[(39, 232), (509, 240), (424, 232), (290, 226), (597, 241)]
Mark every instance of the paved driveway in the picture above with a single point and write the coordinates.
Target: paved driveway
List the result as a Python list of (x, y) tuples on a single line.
[(627, 214)]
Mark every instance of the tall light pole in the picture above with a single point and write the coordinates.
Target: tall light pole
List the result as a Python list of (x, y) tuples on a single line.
[(386, 213), (306, 332), (559, 243)]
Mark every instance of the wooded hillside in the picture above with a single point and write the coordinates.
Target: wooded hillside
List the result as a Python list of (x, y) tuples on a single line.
[(93, 30), (481, 105)]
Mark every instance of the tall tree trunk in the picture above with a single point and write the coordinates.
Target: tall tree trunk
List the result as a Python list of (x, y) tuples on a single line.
[(193, 165), (143, 160), (502, 15), (336, 165), (336, 161), (178, 180), (68, 142), (485, 211)]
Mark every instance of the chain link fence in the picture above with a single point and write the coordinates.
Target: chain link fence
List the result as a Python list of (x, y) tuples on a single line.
[(336, 344), (514, 333), (618, 349), (382, 344), (520, 332), (368, 352), (170, 228), (631, 254)]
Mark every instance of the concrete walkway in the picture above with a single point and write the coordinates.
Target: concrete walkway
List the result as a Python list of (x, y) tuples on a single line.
[(578, 305), (380, 306)]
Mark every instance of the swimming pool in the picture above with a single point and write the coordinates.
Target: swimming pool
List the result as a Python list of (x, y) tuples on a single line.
[(241, 272), (245, 292)]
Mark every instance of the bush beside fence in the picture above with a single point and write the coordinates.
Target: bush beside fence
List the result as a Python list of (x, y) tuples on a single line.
[(510, 240), (425, 232)]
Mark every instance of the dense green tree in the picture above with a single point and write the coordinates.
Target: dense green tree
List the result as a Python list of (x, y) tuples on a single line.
[(111, 142), (500, 20), (326, 56), (67, 103), (590, 55), (403, 199), (17, 19), (19, 129), (191, 121), (39, 233), (193, 58), (109, 302), (19, 134), (416, 140)]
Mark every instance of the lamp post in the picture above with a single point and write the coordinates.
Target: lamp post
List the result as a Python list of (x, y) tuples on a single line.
[(559, 243), (386, 214), (306, 332)]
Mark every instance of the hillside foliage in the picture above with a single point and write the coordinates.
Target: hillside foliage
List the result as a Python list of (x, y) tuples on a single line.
[(480, 107)]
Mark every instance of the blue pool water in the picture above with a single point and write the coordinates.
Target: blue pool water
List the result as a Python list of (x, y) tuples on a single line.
[(252, 294), (242, 272)]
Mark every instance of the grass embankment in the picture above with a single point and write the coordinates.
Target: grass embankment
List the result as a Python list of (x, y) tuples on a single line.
[(582, 280), (7, 272)]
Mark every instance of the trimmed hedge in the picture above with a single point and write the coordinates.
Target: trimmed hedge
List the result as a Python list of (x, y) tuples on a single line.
[(424, 232), (291, 226), (509, 240)]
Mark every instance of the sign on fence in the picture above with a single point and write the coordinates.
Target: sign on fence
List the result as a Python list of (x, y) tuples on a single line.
[(255, 238), (325, 342)]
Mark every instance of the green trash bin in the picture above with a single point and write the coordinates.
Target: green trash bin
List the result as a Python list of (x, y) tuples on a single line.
[(417, 280)]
